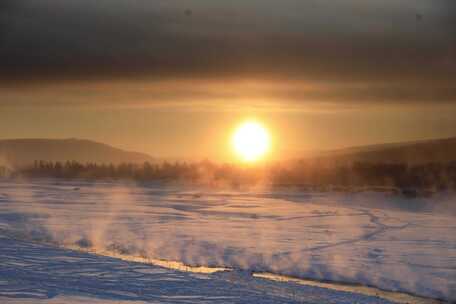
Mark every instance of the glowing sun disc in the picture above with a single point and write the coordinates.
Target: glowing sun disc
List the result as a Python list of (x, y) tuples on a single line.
[(251, 141)]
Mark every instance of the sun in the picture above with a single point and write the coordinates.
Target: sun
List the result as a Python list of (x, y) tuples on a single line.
[(251, 141)]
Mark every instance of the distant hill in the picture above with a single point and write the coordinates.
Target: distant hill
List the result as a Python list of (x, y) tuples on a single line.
[(416, 152), (22, 152)]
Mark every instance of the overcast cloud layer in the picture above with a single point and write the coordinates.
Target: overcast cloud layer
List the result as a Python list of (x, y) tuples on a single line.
[(401, 50)]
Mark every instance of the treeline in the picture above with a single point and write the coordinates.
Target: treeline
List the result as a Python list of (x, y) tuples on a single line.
[(433, 176), (198, 172)]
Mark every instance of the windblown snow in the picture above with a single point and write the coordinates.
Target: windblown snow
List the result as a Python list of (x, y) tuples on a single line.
[(375, 239)]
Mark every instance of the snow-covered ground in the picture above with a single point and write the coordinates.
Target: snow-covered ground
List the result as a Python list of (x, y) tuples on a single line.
[(35, 273), (374, 239)]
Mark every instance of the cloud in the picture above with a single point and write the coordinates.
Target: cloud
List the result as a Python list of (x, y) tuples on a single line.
[(227, 95), (5, 8), (381, 43)]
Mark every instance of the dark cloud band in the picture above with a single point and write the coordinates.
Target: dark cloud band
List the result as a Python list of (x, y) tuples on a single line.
[(52, 40)]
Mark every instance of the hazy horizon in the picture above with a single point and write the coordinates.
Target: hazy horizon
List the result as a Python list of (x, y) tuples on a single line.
[(288, 155)]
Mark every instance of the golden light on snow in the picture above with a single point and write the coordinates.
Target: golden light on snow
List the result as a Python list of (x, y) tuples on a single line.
[(251, 141)]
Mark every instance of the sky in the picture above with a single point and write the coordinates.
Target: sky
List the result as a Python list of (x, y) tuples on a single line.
[(174, 78)]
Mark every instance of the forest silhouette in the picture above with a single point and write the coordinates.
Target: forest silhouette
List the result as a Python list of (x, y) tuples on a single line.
[(408, 179)]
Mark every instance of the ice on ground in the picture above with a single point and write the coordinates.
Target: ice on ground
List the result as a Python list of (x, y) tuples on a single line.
[(36, 273), (375, 239)]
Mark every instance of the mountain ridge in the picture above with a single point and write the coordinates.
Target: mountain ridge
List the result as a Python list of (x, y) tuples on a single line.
[(440, 150), (24, 151)]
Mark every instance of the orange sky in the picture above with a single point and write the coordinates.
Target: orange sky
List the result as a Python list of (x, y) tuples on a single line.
[(160, 119)]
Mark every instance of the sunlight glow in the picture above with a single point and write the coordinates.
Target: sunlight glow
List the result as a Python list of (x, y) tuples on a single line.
[(251, 141)]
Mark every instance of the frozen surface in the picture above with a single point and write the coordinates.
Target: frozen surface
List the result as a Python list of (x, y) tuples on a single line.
[(34, 273), (375, 239)]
